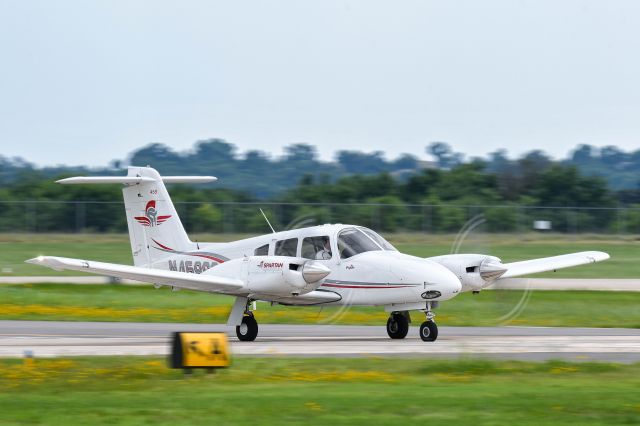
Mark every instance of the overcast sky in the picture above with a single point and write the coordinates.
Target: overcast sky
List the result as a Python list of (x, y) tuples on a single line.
[(84, 82)]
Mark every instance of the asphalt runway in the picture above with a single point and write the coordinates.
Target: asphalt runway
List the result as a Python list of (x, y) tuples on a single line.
[(53, 338)]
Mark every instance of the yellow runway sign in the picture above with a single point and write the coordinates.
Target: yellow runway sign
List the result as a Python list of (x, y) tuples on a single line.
[(200, 350)]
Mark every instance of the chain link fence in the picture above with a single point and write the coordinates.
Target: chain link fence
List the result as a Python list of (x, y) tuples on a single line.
[(236, 217)]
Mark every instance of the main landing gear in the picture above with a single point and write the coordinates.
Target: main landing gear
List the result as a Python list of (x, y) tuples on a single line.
[(247, 331), (398, 325)]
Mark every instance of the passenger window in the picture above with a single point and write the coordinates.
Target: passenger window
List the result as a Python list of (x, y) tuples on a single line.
[(287, 247), (262, 250), (318, 248)]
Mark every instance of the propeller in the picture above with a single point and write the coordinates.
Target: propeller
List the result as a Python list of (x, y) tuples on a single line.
[(491, 269)]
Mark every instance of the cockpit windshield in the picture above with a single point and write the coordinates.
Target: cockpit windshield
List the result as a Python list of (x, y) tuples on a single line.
[(352, 241), (378, 239)]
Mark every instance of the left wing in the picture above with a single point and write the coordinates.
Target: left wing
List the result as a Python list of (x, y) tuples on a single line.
[(526, 267), (200, 282)]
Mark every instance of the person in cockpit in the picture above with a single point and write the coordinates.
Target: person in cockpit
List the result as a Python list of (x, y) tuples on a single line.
[(325, 252)]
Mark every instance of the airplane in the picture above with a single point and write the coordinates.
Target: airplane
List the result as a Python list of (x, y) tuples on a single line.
[(330, 265)]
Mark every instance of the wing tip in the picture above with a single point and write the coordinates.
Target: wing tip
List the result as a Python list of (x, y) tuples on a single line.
[(599, 256)]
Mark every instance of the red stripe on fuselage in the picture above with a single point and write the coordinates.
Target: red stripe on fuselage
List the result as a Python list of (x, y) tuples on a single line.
[(364, 286), (189, 254), (162, 245)]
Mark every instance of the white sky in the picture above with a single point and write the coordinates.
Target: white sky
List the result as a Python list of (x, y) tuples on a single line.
[(84, 82)]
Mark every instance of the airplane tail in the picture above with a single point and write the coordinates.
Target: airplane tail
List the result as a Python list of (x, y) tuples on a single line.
[(155, 230)]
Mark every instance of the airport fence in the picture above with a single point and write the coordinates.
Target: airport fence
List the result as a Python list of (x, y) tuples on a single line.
[(245, 217)]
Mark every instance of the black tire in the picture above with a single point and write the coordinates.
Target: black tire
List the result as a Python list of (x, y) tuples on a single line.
[(429, 331), (397, 326), (248, 330)]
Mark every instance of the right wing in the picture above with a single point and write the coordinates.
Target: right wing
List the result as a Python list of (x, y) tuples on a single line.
[(199, 282), (526, 267)]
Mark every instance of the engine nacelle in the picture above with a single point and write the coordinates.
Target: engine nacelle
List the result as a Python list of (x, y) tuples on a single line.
[(475, 271), (275, 275)]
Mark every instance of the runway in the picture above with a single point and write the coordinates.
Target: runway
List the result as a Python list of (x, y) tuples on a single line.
[(56, 339)]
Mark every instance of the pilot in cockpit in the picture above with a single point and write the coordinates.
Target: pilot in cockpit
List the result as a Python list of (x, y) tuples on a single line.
[(325, 252)]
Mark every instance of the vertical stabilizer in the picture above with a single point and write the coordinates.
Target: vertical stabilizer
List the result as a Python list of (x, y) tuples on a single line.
[(155, 229), (154, 226)]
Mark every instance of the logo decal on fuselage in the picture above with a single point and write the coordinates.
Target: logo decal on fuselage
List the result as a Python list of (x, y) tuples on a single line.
[(151, 217), (270, 265)]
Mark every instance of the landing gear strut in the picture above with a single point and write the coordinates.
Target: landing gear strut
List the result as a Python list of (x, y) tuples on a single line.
[(429, 329), (247, 331), (397, 325)]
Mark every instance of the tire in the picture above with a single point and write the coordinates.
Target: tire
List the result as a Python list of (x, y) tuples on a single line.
[(397, 326), (429, 331), (248, 330)]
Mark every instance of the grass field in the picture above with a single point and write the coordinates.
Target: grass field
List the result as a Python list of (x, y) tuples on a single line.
[(144, 303), (624, 250), (381, 391)]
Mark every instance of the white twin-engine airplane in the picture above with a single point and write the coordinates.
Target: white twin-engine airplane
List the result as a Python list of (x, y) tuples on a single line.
[(319, 265)]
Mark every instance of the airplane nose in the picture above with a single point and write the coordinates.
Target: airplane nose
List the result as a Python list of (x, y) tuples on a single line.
[(446, 281)]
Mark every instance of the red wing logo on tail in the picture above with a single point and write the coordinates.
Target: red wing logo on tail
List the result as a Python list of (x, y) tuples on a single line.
[(151, 217)]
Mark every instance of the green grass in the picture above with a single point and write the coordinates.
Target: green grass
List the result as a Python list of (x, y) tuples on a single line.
[(624, 250), (144, 303), (127, 391)]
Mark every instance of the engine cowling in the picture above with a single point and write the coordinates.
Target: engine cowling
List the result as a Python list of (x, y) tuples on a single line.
[(276, 275), (475, 271)]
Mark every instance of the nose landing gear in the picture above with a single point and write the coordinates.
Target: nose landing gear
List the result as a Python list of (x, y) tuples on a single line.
[(429, 329)]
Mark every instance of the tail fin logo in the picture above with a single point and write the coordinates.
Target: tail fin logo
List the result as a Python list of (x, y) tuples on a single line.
[(151, 217)]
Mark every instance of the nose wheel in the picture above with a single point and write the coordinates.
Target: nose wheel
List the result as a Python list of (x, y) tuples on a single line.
[(247, 331), (429, 331), (397, 326)]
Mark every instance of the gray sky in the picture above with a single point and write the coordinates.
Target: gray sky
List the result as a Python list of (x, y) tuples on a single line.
[(84, 82)]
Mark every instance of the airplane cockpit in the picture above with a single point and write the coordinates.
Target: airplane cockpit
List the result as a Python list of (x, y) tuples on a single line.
[(352, 241), (327, 243)]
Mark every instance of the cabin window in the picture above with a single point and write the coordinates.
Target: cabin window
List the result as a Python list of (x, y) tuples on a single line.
[(353, 241), (318, 248), (287, 247), (262, 250)]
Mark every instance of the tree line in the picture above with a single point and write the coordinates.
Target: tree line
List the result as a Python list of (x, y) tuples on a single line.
[(505, 199), (265, 176)]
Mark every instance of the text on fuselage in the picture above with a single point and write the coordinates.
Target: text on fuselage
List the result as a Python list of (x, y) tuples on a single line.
[(192, 267)]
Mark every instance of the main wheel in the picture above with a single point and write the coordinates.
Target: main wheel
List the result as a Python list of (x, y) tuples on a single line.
[(248, 330), (397, 326), (429, 331)]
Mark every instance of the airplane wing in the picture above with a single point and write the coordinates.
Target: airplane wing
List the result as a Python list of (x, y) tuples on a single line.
[(526, 267), (199, 282)]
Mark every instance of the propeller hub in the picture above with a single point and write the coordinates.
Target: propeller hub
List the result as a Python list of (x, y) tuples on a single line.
[(313, 271), (491, 269)]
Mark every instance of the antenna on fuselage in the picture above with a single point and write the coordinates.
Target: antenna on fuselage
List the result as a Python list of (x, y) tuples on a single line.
[(268, 223)]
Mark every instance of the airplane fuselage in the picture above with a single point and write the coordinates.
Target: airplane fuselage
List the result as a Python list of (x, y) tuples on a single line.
[(379, 275)]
